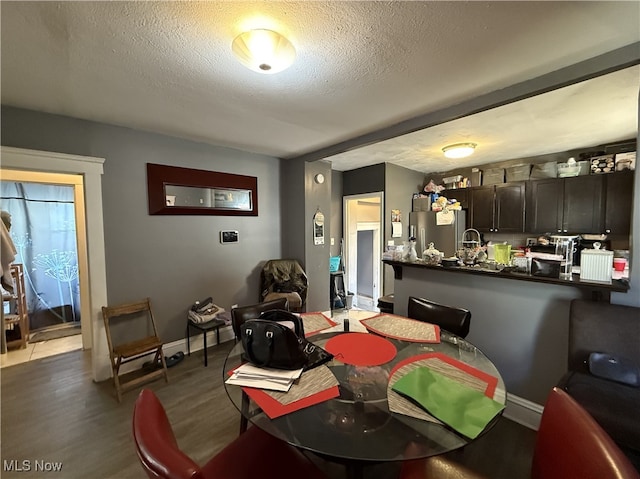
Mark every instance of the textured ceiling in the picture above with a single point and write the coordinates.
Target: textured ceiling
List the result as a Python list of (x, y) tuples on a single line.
[(167, 67)]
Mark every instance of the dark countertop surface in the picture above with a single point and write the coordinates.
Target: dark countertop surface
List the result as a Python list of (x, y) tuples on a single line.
[(618, 285)]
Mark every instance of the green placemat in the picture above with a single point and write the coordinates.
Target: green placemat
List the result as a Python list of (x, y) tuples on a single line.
[(466, 410)]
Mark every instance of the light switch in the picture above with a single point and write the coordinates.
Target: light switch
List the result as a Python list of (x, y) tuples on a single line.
[(332, 242)]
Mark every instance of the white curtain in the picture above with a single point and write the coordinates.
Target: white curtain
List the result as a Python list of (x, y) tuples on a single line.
[(44, 232)]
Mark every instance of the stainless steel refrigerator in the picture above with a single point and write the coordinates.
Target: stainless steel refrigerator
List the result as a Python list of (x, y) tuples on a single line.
[(446, 238)]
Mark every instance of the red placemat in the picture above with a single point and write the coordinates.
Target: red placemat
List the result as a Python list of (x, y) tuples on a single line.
[(313, 387), (361, 349), (450, 367)]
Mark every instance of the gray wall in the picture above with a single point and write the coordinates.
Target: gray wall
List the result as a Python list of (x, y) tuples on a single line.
[(301, 197), (175, 260), (336, 211), (400, 184), (369, 179), (317, 198)]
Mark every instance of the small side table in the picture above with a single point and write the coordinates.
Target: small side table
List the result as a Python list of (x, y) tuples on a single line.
[(337, 291), (214, 324)]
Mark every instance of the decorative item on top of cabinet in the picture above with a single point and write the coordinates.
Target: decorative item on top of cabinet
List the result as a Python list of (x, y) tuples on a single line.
[(498, 208)]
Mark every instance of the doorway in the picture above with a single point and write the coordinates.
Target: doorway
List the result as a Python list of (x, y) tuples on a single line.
[(44, 229), (86, 175), (363, 248)]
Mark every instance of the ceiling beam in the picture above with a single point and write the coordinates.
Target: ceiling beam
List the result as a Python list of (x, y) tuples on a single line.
[(594, 67)]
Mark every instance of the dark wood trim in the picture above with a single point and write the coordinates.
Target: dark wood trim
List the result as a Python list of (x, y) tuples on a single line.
[(158, 176)]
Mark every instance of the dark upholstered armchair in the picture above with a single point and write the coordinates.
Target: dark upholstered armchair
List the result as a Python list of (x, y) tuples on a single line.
[(284, 278), (597, 327)]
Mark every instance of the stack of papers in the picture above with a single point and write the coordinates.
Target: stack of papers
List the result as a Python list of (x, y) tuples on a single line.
[(264, 378)]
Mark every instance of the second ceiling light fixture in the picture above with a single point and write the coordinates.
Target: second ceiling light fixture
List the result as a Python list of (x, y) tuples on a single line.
[(459, 150)]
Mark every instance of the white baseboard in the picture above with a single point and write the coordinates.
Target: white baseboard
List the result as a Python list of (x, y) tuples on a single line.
[(523, 411)]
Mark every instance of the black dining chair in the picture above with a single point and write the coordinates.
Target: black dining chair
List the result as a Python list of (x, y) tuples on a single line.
[(450, 318), (242, 313)]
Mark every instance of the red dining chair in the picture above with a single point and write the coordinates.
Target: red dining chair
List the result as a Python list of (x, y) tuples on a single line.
[(570, 445), (252, 455)]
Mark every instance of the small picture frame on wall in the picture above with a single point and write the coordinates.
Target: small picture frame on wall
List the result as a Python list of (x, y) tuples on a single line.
[(318, 228), (229, 236)]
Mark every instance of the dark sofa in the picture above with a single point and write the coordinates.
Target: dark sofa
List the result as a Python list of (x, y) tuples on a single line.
[(598, 327)]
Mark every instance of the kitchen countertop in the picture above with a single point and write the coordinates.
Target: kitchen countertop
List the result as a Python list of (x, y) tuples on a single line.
[(618, 285)]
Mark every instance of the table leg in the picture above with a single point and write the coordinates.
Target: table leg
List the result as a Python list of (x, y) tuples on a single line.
[(244, 422), (188, 340), (206, 362)]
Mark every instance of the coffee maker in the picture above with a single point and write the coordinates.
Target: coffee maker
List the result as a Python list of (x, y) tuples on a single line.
[(565, 247)]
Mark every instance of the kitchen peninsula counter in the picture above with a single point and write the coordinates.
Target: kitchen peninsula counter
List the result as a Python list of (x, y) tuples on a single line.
[(520, 321), (620, 286)]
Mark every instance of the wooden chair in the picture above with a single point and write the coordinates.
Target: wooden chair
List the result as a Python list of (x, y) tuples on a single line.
[(455, 320), (18, 320), (252, 455), (140, 323), (570, 445)]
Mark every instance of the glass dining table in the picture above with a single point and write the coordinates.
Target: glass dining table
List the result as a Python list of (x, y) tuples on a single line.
[(366, 421)]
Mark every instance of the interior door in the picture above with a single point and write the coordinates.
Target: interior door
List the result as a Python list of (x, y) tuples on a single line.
[(363, 213)]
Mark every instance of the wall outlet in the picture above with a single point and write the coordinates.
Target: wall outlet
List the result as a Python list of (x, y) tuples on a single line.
[(234, 306)]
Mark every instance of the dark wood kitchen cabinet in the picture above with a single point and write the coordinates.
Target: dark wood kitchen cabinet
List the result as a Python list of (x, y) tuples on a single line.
[(460, 194), (498, 208), (566, 205), (618, 200)]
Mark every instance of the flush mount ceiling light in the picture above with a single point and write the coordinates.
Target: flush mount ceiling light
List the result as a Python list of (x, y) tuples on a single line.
[(263, 51), (459, 150)]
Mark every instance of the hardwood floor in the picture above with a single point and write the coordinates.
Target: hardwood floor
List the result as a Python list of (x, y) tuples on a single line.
[(52, 412)]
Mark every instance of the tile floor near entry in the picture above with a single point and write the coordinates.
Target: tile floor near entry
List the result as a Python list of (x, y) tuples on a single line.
[(41, 350)]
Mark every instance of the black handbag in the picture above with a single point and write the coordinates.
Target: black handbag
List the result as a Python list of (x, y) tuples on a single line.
[(286, 318), (270, 344), (276, 340)]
